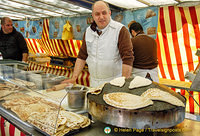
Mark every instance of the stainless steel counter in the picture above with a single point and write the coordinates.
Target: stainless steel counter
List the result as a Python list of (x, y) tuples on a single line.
[(187, 127)]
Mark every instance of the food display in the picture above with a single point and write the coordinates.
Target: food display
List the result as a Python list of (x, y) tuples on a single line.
[(25, 103), (128, 103), (46, 115)]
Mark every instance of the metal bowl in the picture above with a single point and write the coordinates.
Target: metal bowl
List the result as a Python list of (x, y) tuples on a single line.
[(76, 97)]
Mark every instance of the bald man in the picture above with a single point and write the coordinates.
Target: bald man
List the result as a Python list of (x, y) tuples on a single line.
[(12, 43), (106, 48)]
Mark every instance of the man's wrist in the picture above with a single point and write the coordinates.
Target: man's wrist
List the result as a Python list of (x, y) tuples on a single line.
[(74, 77)]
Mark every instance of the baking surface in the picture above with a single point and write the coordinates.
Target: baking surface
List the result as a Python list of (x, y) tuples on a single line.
[(157, 106)]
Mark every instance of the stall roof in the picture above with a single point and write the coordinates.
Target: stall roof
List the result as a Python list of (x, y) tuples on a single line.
[(34, 9)]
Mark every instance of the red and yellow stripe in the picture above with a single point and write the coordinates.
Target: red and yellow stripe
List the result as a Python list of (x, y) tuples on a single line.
[(178, 37)]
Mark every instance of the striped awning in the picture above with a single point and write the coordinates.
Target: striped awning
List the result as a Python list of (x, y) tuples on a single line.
[(178, 37)]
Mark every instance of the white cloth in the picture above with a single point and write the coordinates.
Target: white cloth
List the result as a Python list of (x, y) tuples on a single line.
[(143, 72), (104, 61)]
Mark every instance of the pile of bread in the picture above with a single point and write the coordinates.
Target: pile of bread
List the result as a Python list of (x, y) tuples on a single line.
[(7, 88), (44, 114), (23, 83)]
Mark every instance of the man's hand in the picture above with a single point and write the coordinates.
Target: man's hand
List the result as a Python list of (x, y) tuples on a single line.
[(25, 57)]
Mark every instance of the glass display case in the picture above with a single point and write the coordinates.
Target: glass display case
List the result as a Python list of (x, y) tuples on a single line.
[(26, 101), (14, 63)]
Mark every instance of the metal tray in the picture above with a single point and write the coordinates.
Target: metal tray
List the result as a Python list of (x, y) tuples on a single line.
[(70, 133)]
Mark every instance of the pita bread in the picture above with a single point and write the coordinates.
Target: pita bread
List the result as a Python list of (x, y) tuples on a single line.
[(157, 94), (15, 95), (5, 93), (126, 100), (21, 101), (25, 111), (23, 83), (86, 122), (139, 82), (96, 90), (118, 81)]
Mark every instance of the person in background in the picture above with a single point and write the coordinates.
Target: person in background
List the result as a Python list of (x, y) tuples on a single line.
[(145, 53), (12, 43), (106, 48)]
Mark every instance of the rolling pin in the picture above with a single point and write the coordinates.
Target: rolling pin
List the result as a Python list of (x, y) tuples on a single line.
[(59, 87)]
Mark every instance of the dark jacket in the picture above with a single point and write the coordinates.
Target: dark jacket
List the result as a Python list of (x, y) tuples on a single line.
[(12, 45)]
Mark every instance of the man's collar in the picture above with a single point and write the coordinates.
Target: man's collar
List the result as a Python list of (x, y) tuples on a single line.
[(94, 26), (141, 32)]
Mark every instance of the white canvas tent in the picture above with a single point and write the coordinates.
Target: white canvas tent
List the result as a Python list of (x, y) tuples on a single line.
[(34, 9)]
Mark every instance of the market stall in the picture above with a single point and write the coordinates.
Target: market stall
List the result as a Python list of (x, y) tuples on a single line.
[(148, 120), (175, 28)]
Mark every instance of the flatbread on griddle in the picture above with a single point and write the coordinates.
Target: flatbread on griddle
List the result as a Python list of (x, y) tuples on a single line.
[(120, 81), (139, 82), (96, 90), (126, 100), (157, 94)]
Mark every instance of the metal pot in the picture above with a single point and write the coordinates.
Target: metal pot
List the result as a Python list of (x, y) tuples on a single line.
[(76, 97)]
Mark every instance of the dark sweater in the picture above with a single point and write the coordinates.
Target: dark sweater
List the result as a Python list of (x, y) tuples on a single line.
[(145, 51), (12, 45)]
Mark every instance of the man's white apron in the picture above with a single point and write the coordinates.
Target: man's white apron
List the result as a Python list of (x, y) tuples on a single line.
[(104, 61)]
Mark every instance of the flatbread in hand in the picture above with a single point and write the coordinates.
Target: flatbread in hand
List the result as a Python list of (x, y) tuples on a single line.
[(118, 81), (157, 94), (139, 82), (126, 100)]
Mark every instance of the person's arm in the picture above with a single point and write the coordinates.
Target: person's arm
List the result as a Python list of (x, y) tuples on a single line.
[(80, 63), (126, 70), (126, 52), (25, 57)]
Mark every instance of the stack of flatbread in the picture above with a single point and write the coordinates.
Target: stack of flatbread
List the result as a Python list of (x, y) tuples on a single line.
[(66, 122), (23, 83), (14, 95), (126, 100), (44, 114), (6, 89), (157, 94)]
